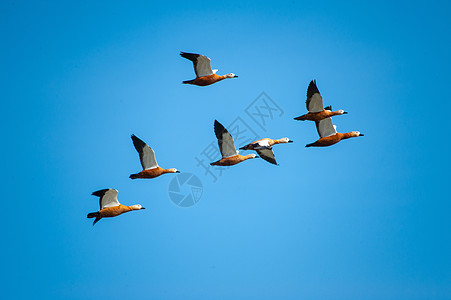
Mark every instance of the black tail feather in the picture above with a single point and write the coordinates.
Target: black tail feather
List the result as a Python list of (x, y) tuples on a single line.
[(134, 176), (94, 215), (300, 118)]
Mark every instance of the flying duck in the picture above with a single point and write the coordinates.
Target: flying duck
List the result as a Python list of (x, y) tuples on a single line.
[(148, 161), (226, 144), (110, 206), (204, 74), (328, 134), (264, 148), (314, 104)]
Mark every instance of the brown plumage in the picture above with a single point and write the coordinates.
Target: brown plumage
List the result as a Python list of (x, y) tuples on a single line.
[(264, 148), (266, 142), (152, 173), (204, 74), (329, 135), (232, 160), (226, 144), (148, 161), (110, 206), (314, 104)]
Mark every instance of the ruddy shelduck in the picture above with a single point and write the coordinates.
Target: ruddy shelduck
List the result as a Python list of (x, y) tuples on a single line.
[(148, 161), (264, 148), (328, 134), (226, 144), (110, 206), (204, 74), (314, 104)]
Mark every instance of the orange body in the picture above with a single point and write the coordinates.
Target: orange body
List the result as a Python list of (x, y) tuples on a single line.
[(151, 173), (232, 160), (271, 142), (318, 116), (331, 140), (114, 211), (205, 80)]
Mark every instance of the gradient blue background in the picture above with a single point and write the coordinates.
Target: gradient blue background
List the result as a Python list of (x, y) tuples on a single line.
[(368, 218)]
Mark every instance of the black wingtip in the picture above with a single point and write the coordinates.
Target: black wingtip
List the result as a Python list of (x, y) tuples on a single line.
[(219, 129), (95, 221), (138, 143), (190, 56), (312, 89), (100, 193)]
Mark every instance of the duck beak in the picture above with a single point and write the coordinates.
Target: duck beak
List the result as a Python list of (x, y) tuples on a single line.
[(345, 113), (361, 134), (257, 157), (143, 208), (236, 76), (177, 171), (290, 141)]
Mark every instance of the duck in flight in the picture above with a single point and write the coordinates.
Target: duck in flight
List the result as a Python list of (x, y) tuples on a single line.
[(264, 148), (226, 144), (314, 103), (328, 134), (148, 161), (110, 206), (204, 74)]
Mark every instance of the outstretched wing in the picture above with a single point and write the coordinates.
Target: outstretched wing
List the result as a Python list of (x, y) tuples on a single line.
[(325, 128), (314, 100), (108, 198), (225, 141), (267, 154), (202, 64), (146, 154)]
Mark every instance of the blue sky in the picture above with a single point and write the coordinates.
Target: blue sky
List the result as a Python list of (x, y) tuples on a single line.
[(367, 218)]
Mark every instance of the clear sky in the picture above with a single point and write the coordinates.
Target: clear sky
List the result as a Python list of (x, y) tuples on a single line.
[(368, 218)]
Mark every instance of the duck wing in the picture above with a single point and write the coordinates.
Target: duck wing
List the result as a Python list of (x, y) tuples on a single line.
[(225, 141), (202, 64)]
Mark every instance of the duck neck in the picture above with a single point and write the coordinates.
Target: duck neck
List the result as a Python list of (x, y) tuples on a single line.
[(168, 171), (133, 207), (346, 135)]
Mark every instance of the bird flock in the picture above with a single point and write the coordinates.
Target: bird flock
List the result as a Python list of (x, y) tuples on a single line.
[(322, 116)]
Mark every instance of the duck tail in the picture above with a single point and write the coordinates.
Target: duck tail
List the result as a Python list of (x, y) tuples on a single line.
[(94, 215), (310, 145), (300, 118), (187, 81), (134, 176)]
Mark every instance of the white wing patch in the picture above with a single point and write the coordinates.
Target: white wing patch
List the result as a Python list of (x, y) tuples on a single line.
[(316, 103), (203, 66), (326, 128), (148, 160), (109, 199), (262, 144), (268, 155), (227, 145)]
